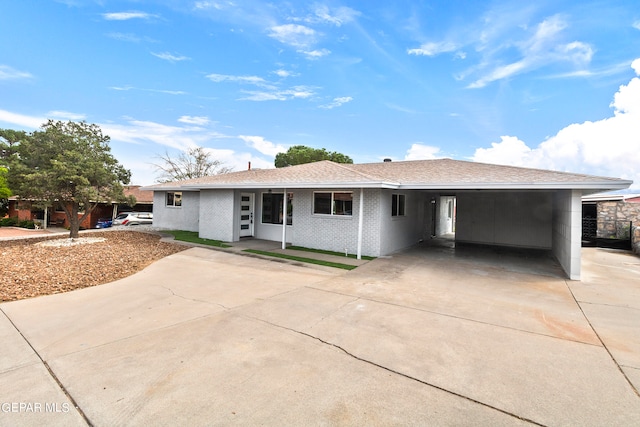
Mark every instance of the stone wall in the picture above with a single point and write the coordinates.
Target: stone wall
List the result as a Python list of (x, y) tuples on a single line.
[(614, 219)]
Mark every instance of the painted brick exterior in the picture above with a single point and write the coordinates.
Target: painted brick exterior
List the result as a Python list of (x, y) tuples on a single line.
[(217, 214), (184, 217)]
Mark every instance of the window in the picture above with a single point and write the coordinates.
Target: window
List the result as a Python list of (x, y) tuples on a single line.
[(272, 208), (174, 199), (333, 203), (397, 204)]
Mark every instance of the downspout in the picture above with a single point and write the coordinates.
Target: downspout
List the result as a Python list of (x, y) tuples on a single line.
[(284, 219), (360, 221)]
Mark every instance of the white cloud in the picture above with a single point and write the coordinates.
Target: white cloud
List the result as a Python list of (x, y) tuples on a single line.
[(194, 120), (434, 48), (124, 16), (9, 73), (636, 25), (283, 73), (262, 145), (337, 102), (255, 80), (294, 35), (608, 147), (419, 151), (316, 53), (338, 17), (21, 120), (297, 92), (66, 115), (170, 57)]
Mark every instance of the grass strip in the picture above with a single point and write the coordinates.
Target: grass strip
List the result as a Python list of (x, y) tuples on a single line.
[(192, 237), (302, 259), (320, 251)]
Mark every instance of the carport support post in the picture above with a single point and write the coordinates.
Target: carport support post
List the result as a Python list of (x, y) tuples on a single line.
[(284, 220), (360, 215)]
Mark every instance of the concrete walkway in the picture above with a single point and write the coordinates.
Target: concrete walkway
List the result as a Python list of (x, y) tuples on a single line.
[(427, 337)]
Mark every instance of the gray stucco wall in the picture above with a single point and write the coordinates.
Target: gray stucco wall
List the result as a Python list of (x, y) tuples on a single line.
[(184, 217), (217, 215), (567, 231), (521, 219)]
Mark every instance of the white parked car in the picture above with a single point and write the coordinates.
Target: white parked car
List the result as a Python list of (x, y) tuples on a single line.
[(133, 218)]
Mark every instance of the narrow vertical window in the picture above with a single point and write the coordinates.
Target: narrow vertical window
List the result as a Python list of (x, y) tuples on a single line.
[(397, 205)]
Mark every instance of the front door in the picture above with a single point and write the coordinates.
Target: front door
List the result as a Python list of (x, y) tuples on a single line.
[(246, 214)]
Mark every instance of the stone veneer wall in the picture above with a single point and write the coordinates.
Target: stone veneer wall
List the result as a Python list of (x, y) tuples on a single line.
[(620, 212)]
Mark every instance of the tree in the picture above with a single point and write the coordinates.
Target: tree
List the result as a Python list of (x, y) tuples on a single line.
[(299, 154), (5, 193), (68, 165), (194, 163)]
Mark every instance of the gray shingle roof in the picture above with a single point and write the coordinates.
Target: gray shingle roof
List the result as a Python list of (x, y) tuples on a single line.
[(419, 174)]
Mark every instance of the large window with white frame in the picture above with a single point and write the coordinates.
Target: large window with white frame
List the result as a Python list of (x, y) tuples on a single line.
[(397, 205), (273, 208), (333, 203), (174, 199)]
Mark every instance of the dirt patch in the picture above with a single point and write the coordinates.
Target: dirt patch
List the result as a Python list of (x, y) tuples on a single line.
[(31, 269)]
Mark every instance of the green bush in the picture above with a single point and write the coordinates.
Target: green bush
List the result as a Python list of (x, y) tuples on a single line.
[(8, 222), (27, 224)]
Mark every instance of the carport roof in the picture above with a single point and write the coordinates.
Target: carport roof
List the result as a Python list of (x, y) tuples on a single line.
[(435, 174)]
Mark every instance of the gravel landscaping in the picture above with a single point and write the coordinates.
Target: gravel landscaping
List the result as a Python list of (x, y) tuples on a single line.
[(31, 268)]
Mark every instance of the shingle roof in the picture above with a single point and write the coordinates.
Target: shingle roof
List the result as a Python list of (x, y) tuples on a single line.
[(418, 174)]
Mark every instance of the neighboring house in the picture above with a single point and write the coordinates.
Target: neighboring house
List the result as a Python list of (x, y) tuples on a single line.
[(379, 208), (55, 216), (612, 217)]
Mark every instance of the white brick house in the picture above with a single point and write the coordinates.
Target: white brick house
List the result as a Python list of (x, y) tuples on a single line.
[(380, 208)]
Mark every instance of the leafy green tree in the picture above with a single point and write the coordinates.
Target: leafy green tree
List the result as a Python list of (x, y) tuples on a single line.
[(299, 154), (194, 163), (5, 193), (69, 165)]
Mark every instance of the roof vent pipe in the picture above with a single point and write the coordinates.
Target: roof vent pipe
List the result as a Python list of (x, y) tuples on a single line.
[(387, 160)]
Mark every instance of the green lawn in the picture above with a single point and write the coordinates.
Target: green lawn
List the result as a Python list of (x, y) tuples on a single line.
[(320, 251), (302, 259), (192, 237)]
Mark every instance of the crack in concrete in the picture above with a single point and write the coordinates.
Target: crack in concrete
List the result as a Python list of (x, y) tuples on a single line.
[(51, 373), (457, 317), (609, 305), (393, 371), (635, 390), (196, 300)]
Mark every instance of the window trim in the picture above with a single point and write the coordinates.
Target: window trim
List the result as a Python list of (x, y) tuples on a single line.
[(398, 205), (173, 205), (332, 204)]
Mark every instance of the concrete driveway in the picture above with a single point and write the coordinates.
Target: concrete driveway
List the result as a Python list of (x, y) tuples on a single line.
[(428, 337)]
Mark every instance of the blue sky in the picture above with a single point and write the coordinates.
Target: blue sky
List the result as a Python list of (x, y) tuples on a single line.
[(550, 84)]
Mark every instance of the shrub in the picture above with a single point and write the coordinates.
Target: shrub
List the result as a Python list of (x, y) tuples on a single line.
[(8, 222), (27, 224)]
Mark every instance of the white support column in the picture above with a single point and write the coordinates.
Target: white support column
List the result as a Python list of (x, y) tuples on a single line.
[(284, 220), (360, 222)]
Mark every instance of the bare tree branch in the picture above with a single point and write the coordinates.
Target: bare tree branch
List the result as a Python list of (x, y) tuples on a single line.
[(194, 163)]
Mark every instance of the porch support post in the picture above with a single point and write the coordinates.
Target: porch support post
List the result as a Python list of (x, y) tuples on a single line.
[(46, 217), (360, 221), (284, 220)]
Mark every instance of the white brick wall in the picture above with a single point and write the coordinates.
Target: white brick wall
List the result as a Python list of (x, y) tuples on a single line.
[(184, 217), (217, 215), (567, 231), (336, 233)]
